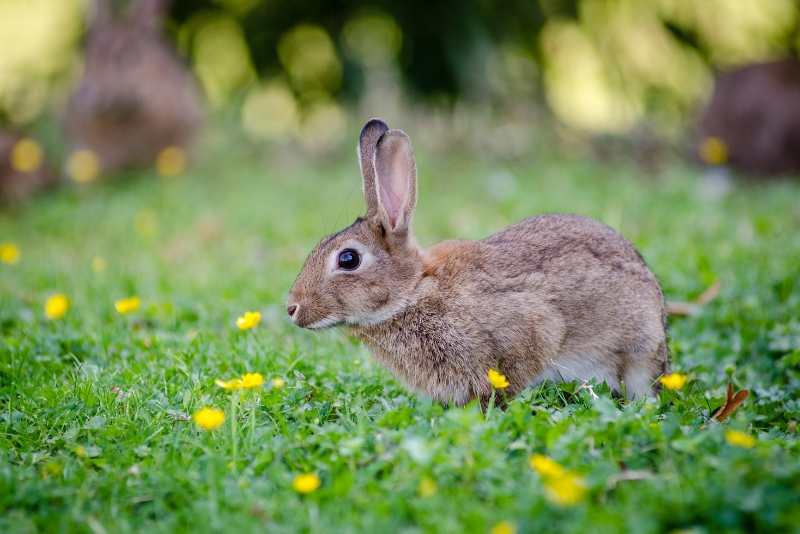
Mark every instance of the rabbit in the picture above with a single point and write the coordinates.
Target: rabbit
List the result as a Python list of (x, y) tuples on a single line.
[(136, 97), (558, 297), (20, 180), (755, 112)]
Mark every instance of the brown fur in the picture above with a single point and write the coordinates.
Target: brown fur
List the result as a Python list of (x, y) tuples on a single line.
[(554, 296), (755, 111), (16, 185), (136, 97)]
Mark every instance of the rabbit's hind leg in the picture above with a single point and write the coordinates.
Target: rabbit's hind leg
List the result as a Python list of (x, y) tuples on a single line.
[(642, 374)]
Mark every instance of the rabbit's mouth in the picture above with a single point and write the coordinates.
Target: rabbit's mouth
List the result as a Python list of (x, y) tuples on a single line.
[(305, 318), (328, 322)]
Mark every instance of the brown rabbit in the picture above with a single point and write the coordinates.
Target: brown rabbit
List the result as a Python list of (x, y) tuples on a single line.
[(136, 96), (21, 174), (755, 112), (552, 297)]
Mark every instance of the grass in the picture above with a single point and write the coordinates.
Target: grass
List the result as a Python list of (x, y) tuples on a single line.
[(95, 408)]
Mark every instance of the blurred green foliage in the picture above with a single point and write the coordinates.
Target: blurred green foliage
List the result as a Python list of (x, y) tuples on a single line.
[(602, 65), (297, 69)]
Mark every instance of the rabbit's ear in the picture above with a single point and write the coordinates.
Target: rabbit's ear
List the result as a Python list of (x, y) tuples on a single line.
[(396, 175), (149, 12), (367, 141)]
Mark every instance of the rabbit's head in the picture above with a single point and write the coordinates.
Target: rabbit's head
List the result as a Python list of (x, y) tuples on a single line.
[(122, 56), (364, 274)]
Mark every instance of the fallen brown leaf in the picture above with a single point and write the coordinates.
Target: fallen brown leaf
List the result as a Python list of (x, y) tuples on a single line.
[(732, 402), (686, 308)]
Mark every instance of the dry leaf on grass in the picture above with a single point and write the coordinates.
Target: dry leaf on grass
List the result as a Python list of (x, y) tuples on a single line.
[(732, 402), (686, 308)]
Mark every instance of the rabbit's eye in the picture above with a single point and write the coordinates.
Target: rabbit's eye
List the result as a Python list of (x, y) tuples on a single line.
[(349, 259)]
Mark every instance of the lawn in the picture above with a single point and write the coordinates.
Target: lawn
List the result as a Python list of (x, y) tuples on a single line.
[(96, 427)]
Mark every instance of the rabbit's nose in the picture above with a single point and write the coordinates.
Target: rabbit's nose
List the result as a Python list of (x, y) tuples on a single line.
[(291, 310)]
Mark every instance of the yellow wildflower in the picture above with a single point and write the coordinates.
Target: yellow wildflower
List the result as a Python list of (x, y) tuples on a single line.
[(127, 305), (673, 381), (248, 380), (9, 253), (499, 381), (171, 162), (545, 466), (27, 155), (427, 487), (504, 527), (249, 320), (80, 451), (562, 487), (209, 418), (56, 306), (740, 439), (565, 490), (306, 483), (98, 264), (252, 380), (278, 383), (713, 151), (234, 383), (83, 166)]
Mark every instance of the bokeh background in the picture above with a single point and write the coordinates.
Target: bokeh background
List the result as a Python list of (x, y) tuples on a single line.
[(308, 72)]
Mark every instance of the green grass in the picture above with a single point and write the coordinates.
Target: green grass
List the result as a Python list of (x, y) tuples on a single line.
[(95, 429)]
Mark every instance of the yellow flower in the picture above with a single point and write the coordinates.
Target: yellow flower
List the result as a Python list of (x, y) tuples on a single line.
[(499, 381), (80, 451), (673, 381), (171, 161), (504, 527), (127, 305), (249, 320), (27, 155), (9, 253), (209, 418), (249, 381), (252, 380), (740, 439), (427, 487), (56, 306), (234, 383), (565, 490), (83, 166), (546, 466), (306, 483), (562, 487), (278, 383), (713, 151)]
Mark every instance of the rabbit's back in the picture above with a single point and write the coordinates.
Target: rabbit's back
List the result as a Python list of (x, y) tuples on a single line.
[(591, 276), (580, 263)]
